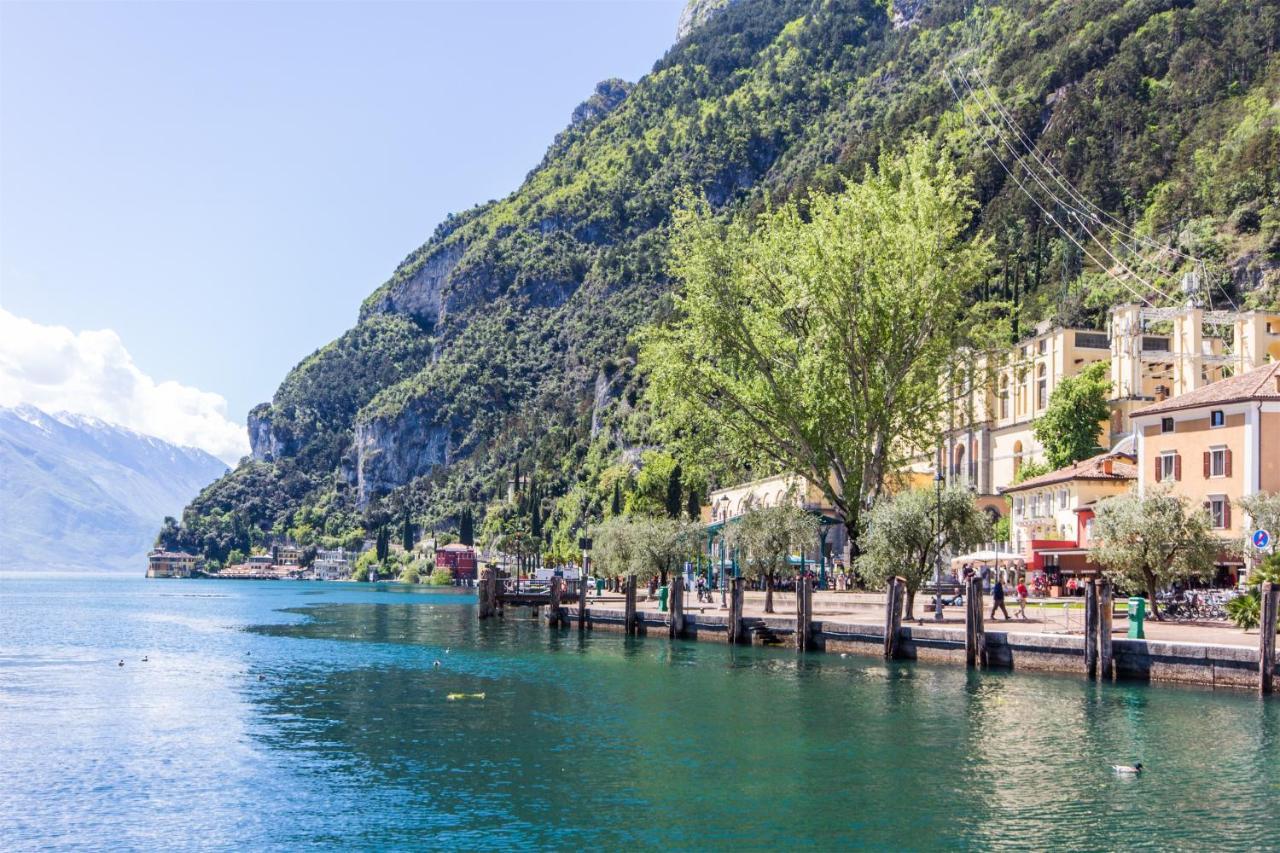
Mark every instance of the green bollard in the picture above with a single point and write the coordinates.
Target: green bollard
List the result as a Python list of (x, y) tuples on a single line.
[(663, 591), (1137, 613), (599, 587)]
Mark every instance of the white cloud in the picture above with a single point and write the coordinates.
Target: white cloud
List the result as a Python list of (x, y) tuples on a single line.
[(91, 373)]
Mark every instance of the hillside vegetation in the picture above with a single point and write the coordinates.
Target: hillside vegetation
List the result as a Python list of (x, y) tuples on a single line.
[(504, 341)]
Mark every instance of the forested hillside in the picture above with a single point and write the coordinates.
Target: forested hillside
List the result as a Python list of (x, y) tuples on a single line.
[(499, 350)]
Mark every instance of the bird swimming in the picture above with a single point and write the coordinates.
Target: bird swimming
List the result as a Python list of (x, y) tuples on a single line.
[(435, 663), (144, 658), (1127, 769), (121, 663)]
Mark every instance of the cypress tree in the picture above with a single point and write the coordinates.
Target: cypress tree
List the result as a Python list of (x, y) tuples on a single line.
[(615, 508), (382, 545), (694, 507), (466, 525), (674, 489), (407, 532)]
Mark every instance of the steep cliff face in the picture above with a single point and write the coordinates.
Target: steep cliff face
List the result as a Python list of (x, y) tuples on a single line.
[(421, 294), (698, 12), (393, 451)]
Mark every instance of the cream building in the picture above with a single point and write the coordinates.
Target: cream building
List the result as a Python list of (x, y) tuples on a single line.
[(1153, 354)]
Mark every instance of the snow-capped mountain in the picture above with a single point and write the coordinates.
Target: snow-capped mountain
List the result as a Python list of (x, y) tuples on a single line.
[(80, 493)]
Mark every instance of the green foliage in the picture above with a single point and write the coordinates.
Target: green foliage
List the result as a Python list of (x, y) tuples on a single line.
[(412, 572), (1150, 541), (235, 557), (905, 532), (441, 577), (1245, 611), (364, 564), (1075, 417), (815, 341), (643, 546), (1000, 531), (1031, 469)]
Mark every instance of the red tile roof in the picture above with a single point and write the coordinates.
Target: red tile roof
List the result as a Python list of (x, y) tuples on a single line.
[(1257, 384), (1122, 468)]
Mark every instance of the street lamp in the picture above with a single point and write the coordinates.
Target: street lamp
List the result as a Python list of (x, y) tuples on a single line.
[(938, 479)]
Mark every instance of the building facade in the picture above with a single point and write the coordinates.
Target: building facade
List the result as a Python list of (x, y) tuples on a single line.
[(1215, 445), (171, 564)]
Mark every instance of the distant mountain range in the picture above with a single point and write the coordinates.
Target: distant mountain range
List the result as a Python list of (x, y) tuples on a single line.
[(77, 493)]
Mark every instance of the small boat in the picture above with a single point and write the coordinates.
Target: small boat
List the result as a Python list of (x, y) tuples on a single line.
[(1127, 769), (453, 697)]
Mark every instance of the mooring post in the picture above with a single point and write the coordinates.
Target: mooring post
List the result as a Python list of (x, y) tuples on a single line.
[(675, 628), (486, 592), (975, 639), (1270, 595), (1106, 657), (804, 613), (629, 620), (582, 602), (1091, 628), (553, 608), (893, 616), (735, 611)]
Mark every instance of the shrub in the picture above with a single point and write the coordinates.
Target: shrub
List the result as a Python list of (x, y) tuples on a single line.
[(441, 577)]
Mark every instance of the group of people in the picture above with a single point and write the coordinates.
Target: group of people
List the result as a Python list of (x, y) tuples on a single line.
[(998, 592)]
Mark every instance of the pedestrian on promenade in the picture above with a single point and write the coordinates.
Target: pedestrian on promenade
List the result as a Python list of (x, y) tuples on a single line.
[(997, 600), (1022, 599)]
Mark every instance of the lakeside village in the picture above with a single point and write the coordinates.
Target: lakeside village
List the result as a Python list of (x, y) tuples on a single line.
[(1194, 412)]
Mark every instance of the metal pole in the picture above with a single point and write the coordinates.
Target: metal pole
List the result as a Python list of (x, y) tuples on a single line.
[(937, 563)]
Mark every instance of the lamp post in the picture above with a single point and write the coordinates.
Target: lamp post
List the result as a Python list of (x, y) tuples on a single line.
[(724, 523), (938, 479)]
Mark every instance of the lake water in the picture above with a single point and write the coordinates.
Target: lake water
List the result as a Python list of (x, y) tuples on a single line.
[(288, 715)]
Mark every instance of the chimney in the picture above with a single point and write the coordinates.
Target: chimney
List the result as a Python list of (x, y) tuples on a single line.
[(1162, 393), (1108, 466)]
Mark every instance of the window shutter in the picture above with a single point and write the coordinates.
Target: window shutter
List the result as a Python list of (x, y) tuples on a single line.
[(1226, 464), (1158, 463), (1226, 511), (1177, 467), (1207, 461)]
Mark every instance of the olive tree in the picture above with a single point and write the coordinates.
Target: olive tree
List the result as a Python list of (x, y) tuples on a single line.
[(660, 545), (765, 537), (904, 536), (1151, 540)]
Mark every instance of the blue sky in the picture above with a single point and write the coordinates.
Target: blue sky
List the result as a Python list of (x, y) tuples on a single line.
[(220, 184)]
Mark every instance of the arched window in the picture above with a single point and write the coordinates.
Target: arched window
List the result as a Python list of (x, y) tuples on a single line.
[(957, 460), (1042, 387)]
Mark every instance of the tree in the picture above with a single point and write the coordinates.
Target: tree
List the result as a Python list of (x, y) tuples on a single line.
[(1264, 513), (765, 537), (1028, 470), (815, 341), (1070, 426), (694, 506), (659, 545), (1245, 611), (382, 544), (612, 547), (406, 531), (615, 505), (1152, 540), (674, 489), (904, 535), (467, 527)]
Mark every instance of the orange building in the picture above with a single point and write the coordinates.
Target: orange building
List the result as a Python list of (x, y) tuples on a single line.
[(1215, 445)]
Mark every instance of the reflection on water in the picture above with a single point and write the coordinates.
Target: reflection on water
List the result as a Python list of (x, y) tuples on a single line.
[(286, 714)]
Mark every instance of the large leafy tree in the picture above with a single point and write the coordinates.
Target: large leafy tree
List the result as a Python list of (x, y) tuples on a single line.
[(1070, 426), (812, 339), (906, 533), (1152, 540), (765, 537), (641, 545)]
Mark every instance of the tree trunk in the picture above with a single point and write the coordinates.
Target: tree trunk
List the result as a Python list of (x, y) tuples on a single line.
[(768, 593), (1151, 594), (911, 604)]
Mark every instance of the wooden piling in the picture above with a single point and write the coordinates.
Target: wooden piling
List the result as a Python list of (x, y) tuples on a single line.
[(582, 602), (629, 622), (487, 592), (554, 613), (1270, 595), (894, 601), (1091, 628), (975, 638), (736, 634), (675, 628), (1106, 655), (804, 613)]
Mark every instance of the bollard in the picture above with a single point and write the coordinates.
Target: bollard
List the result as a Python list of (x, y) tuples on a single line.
[(1090, 629), (629, 619), (1106, 656), (582, 602), (975, 640), (804, 613), (676, 625), (893, 616), (735, 612)]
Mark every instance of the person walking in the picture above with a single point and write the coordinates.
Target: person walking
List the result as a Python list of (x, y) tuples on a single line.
[(997, 600), (1022, 599)]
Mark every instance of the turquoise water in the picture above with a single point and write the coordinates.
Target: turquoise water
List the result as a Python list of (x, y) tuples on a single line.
[(291, 715)]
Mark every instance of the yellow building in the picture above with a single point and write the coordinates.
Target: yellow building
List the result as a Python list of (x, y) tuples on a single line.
[(1214, 445), (1153, 353), (171, 564)]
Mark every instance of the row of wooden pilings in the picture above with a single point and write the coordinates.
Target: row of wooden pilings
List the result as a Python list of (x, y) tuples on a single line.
[(1099, 659)]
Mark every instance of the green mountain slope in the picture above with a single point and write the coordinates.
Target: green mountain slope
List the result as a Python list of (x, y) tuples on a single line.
[(502, 341)]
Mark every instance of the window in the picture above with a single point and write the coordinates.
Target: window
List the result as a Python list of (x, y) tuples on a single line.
[(1219, 511), (1167, 467), (1088, 530), (1042, 387), (1166, 424), (1217, 418), (1004, 397), (1218, 466), (1018, 505), (1062, 499), (1044, 346)]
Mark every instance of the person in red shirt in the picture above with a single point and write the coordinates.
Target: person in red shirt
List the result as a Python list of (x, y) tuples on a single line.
[(1022, 599)]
